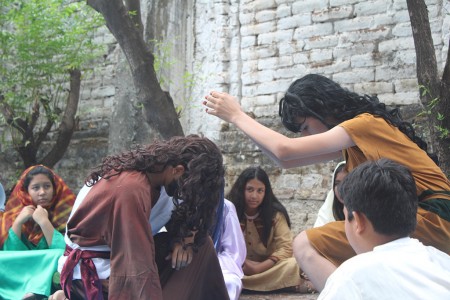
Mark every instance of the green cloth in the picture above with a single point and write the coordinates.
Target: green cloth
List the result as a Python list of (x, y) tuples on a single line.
[(27, 268), (14, 243), (439, 206)]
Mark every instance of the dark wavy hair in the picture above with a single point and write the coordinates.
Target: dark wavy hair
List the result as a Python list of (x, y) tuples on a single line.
[(199, 187), (385, 192), (317, 96), (269, 206)]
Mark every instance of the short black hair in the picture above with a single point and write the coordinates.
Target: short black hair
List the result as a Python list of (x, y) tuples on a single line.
[(384, 191)]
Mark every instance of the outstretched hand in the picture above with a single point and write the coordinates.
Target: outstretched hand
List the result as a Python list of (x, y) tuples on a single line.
[(222, 105)]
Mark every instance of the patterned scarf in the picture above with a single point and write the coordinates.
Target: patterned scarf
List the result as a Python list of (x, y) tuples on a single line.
[(58, 212)]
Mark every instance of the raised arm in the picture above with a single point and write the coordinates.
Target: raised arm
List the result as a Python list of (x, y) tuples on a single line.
[(286, 152)]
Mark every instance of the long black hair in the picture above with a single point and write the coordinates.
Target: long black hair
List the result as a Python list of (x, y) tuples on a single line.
[(317, 96), (199, 187), (269, 206)]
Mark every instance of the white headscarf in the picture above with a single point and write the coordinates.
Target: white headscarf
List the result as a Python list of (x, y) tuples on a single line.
[(325, 214)]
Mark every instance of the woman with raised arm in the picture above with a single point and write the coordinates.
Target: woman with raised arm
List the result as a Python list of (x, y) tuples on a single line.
[(335, 123)]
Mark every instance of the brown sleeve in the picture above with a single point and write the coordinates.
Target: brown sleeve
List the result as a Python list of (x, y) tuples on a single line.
[(375, 139), (134, 274)]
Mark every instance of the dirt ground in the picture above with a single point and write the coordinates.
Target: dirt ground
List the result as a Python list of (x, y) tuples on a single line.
[(270, 296)]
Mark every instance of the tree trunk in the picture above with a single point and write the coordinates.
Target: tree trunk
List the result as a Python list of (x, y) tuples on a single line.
[(134, 6), (31, 141), (159, 110), (26, 147), (427, 75), (68, 122), (444, 109)]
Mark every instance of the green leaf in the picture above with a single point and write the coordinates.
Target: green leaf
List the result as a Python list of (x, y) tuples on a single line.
[(40, 40)]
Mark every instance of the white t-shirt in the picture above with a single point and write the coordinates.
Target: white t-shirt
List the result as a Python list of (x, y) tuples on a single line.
[(401, 269)]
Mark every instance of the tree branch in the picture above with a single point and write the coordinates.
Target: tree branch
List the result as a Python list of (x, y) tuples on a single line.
[(34, 115), (427, 73), (10, 116), (68, 122), (159, 112)]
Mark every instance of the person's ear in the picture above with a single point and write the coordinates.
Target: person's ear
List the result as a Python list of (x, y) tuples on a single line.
[(178, 170), (360, 222)]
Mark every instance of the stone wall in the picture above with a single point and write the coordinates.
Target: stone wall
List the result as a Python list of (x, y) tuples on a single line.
[(254, 50)]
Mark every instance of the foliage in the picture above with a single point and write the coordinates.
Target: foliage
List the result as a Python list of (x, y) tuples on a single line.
[(163, 62), (429, 110), (40, 41)]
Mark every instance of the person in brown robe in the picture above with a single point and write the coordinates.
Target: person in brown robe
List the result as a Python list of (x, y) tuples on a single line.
[(110, 251)]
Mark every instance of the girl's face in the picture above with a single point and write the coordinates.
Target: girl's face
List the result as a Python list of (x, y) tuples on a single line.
[(41, 190), (311, 126), (337, 182), (254, 195)]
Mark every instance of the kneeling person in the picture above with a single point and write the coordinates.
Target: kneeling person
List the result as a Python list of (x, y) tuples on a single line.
[(109, 238)]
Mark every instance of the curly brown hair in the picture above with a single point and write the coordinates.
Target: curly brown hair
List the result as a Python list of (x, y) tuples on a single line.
[(199, 187)]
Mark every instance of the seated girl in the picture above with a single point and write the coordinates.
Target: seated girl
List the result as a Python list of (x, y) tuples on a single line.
[(34, 219), (270, 264)]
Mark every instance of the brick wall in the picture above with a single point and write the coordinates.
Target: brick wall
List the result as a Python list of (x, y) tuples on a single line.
[(254, 50)]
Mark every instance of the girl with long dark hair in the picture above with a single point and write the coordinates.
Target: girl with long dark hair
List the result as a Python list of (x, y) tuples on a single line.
[(265, 223), (335, 123)]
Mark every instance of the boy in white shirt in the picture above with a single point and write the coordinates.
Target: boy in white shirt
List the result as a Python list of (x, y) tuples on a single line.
[(380, 205)]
